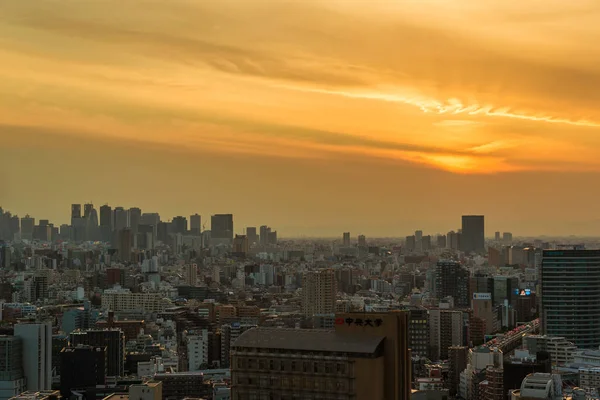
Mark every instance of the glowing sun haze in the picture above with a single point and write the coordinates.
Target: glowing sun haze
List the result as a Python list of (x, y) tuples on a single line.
[(412, 111)]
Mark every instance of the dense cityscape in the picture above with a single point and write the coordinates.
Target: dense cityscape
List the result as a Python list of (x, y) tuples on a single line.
[(120, 303)]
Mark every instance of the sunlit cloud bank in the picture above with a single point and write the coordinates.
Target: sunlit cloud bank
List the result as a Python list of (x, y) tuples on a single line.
[(312, 80)]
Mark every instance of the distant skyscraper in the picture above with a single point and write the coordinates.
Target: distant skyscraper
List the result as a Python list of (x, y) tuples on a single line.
[(264, 235), (221, 227), (273, 237), (441, 241), (410, 244), (37, 354), (252, 235), (120, 219), (92, 231), (319, 291), (346, 239), (135, 218), (75, 212), (426, 243), (125, 244), (362, 241), (453, 240), (27, 224), (497, 236), (240, 244), (106, 223), (162, 231), (507, 238), (106, 215), (180, 225), (570, 295), (87, 209), (473, 234), (195, 224)]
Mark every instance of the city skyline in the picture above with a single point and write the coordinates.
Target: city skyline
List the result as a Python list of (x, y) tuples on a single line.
[(240, 229), (382, 117)]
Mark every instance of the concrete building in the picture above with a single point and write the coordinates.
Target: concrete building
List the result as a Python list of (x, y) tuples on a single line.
[(570, 298), (483, 308), (197, 350), (562, 352), (37, 354), (446, 329), (540, 386), (319, 291), (366, 356), (123, 300), (146, 391)]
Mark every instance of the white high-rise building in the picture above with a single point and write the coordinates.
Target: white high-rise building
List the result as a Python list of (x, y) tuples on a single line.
[(197, 350), (37, 354)]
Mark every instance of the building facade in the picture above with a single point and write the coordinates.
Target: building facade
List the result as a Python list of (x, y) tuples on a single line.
[(570, 295)]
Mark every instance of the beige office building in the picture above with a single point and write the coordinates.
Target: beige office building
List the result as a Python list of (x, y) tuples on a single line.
[(365, 357)]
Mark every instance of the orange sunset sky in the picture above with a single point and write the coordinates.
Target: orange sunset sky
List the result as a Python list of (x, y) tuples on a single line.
[(314, 117)]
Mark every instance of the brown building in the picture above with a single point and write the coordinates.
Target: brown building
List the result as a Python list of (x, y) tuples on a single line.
[(365, 357), (248, 312), (458, 358), (477, 330), (495, 386), (115, 276), (224, 312), (319, 291), (131, 328)]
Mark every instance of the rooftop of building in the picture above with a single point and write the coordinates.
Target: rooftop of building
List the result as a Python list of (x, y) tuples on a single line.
[(308, 340)]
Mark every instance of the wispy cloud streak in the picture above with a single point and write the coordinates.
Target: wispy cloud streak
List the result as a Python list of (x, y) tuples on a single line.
[(450, 106)]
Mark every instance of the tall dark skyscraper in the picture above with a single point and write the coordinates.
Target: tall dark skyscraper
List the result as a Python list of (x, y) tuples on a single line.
[(195, 224), (473, 234), (264, 235), (125, 244), (252, 235), (346, 239), (570, 295), (221, 226), (75, 211), (87, 210), (180, 225), (106, 216), (135, 217), (120, 219)]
